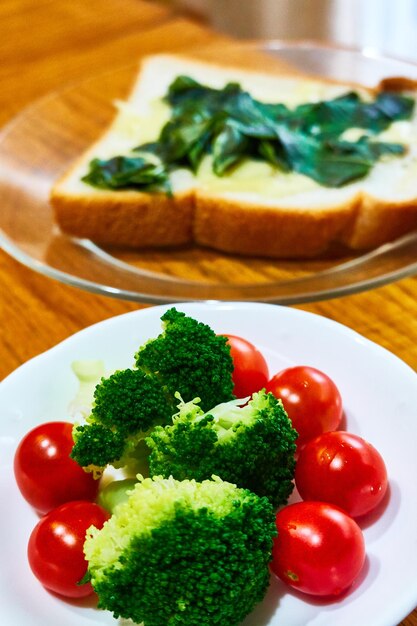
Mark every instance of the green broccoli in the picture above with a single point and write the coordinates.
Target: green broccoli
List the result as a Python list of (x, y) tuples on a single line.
[(126, 405), (187, 357), (252, 446), (183, 553), (191, 359)]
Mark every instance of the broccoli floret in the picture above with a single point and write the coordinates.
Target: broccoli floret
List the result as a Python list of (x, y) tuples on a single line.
[(187, 357), (126, 405), (131, 401), (96, 445), (252, 446), (190, 359), (183, 554)]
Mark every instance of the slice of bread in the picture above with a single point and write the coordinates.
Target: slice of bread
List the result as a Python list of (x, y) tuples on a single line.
[(255, 210)]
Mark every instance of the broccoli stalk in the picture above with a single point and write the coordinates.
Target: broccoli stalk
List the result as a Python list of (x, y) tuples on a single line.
[(183, 553), (252, 446), (187, 357)]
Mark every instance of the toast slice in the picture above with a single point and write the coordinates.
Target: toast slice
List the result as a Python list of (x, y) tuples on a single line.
[(253, 209)]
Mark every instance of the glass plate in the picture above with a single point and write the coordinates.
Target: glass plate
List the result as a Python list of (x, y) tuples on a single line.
[(40, 144)]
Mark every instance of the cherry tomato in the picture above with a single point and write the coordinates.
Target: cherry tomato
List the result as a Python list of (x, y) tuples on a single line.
[(250, 368), (343, 469), (55, 549), (319, 550), (311, 399), (44, 471)]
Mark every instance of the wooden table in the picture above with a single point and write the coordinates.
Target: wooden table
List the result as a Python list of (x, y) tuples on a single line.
[(46, 44)]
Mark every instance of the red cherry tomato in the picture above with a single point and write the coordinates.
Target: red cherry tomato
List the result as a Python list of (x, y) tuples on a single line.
[(343, 469), (319, 550), (250, 368), (44, 471), (311, 399), (55, 549)]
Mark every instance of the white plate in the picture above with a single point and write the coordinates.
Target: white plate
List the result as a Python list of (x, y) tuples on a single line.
[(380, 399)]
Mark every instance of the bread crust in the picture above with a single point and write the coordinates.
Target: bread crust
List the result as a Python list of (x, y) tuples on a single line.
[(247, 229), (379, 221), (363, 222), (133, 220)]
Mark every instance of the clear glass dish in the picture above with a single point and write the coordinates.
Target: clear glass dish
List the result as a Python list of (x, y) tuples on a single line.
[(40, 144)]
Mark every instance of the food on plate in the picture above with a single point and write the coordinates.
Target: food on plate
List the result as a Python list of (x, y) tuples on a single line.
[(88, 372), (56, 547), (311, 399), (250, 369), (44, 471), (343, 469), (182, 552), (251, 446), (115, 492), (319, 550), (195, 542), (188, 358), (267, 164)]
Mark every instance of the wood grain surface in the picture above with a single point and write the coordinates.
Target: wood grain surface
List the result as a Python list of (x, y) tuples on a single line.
[(46, 44)]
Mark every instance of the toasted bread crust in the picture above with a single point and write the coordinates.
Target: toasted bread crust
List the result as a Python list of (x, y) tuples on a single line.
[(134, 221), (361, 223), (145, 220), (377, 222), (268, 231)]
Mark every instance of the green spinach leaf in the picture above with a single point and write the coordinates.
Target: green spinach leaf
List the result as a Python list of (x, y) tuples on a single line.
[(124, 172), (231, 126)]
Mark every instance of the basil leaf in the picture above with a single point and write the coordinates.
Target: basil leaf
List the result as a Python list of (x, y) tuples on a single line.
[(232, 126), (122, 172), (182, 84), (325, 118), (178, 139), (185, 95), (251, 117), (273, 152), (321, 161), (333, 117), (367, 148), (395, 106), (229, 147), (379, 148)]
